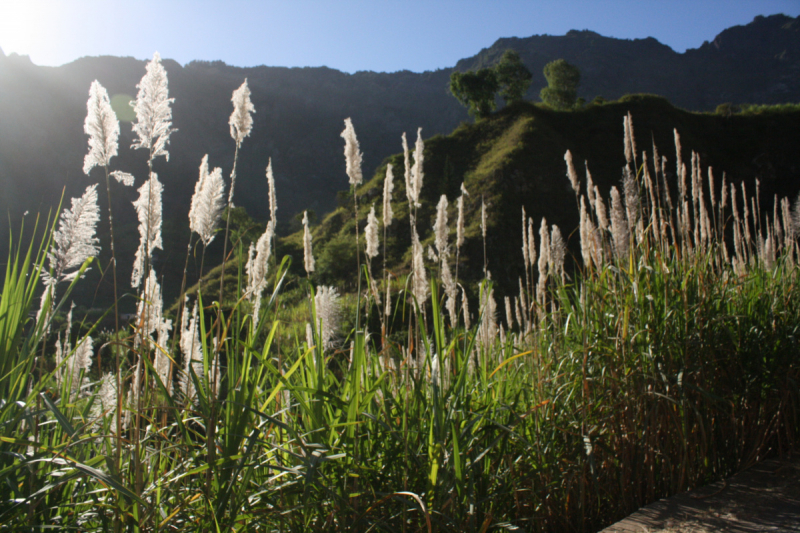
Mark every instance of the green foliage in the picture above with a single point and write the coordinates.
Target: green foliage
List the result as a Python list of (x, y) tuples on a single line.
[(513, 77), (476, 90), (562, 84)]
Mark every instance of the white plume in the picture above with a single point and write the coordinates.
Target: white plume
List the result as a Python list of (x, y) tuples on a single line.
[(74, 241), (326, 303), (388, 187), (207, 202), (241, 122), (440, 228), (102, 127), (351, 154), (419, 279), (257, 267), (148, 209), (308, 255), (412, 198), (153, 124), (123, 177), (371, 234), (273, 202), (571, 173), (417, 173), (191, 349)]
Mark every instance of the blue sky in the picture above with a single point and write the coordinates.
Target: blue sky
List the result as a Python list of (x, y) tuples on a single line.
[(349, 35)]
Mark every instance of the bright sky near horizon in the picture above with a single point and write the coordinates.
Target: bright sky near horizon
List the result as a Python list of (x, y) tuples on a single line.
[(349, 35)]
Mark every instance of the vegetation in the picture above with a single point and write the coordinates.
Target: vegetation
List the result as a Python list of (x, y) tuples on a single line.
[(512, 77), (562, 84), (478, 89), (665, 359)]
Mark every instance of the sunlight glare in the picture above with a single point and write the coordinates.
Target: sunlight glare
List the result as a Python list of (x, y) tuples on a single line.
[(27, 27)]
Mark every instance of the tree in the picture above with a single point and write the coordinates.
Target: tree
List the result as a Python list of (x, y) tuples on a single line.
[(476, 90), (512, 77), (562, 84)]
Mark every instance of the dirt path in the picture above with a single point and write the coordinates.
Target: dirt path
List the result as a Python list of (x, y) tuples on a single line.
[(765, 497)]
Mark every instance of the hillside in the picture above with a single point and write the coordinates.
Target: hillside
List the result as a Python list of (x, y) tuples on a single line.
[(516, 158)]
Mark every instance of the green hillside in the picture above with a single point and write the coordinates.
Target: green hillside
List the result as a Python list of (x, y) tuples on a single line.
[(515, 158)]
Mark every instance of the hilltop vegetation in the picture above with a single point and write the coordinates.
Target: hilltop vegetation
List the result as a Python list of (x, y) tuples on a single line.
[(515, 158)]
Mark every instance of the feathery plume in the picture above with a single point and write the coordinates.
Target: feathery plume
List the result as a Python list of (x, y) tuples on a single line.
[(153, 124), (632, 201), (451, 292), (273, 202), (509, 314), (531, 243), (465, 307), (591, 190), (107, 395), (460, 221), (417, 173), (587, 236), (77, 361), (149, 309), (544, 250), (371, 234), (419, 279), (388, 310), (161, 361), (440, 228), (571, 174), (326, 303), (388, 187), (309, 335), (308, 256), (525, 255), (148, 210), (257, 267), (488, 327), (123, 177), (351, 154), (74, 241), (191, 349), (620, 232), (412, 198), (600, 210), (558, 250), (241, 121), (626, 139), (102, 127), (632, 137), (207, 202)]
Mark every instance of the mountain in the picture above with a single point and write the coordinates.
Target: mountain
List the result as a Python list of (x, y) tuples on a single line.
[(300, 112), (756, 63)]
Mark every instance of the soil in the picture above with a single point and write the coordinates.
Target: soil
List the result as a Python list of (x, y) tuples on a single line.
[(763, 498)]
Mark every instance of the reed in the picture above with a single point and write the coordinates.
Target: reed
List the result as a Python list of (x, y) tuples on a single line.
[(667, 359)]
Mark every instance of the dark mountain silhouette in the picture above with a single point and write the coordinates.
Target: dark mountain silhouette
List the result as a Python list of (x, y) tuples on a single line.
[(300, 114)]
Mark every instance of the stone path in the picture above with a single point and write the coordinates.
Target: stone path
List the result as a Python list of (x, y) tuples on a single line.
[(763, 498)]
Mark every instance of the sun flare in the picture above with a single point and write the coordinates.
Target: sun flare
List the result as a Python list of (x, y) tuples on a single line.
[(27, 28)]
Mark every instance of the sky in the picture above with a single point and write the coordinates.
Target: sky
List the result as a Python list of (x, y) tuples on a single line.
[(348, 35)]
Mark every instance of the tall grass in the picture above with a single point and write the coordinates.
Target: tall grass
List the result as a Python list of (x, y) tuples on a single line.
[(664, 361)]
